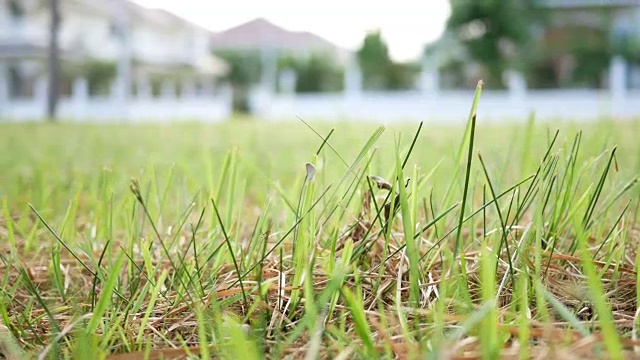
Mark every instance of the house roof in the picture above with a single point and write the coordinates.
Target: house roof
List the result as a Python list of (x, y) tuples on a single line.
[(135, 11), (260, 33)]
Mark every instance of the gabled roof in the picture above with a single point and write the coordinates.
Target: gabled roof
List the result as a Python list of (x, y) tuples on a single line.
[(136, 12), (260, 33)]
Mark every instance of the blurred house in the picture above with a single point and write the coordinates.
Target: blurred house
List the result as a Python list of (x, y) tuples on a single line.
[(583, 70), (272, 42), (572, 45), (104, 41), (262, 48), (578, 38)]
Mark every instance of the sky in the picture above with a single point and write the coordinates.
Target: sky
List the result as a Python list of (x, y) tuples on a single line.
[(406, 25)]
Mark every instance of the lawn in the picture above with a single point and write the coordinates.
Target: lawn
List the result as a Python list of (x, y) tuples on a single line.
[(349, 240)]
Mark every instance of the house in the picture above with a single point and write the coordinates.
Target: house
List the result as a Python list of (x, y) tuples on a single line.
[(572, 45), (261, 44), (272, 41), (145, 46), (578, 38)]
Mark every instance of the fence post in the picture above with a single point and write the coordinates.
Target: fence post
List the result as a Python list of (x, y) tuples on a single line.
[(120, 97), (516, 84), (517, 88), (40, 93), (287, 82), (143, 88), (269, 59), (429, 78), (617, 84), (80, 95), (188, 89), (352, 80)]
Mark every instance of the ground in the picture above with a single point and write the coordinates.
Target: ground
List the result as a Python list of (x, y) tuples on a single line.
[(285, 240)]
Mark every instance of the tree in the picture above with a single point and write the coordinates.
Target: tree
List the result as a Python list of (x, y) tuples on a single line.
[(495, 33), (374, 60), (379, 70), (244, 70), (54, 60), (99, 75), (316, 73), (401, 76)]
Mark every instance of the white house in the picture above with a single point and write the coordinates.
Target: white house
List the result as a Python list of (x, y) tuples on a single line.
[(148, 46)]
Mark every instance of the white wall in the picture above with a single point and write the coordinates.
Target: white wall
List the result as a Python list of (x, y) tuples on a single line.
[(88, 32), (87, 28), (160, 45)]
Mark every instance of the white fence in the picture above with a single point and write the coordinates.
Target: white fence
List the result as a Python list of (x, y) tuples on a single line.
[(435, 105), (136, 110), (446, 106), (80, 106), (429, 104), (454, 106)]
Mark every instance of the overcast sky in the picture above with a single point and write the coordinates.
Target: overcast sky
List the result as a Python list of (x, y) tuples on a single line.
[(406, 24)]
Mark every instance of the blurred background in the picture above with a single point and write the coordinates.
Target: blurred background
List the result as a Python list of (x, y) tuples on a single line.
[(155, 60)]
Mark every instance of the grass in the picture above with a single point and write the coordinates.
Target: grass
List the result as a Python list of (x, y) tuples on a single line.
[(349, 240)]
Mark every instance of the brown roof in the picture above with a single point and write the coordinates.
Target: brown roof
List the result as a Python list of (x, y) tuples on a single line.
[(261, 33)]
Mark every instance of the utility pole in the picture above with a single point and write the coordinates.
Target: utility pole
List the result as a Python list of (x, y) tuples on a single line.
[(54, 60)]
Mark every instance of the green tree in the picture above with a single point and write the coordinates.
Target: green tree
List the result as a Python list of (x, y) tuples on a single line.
[(402, 76), (374, 60), (495, 33), (244, 70), (379, 71), (316, 73), (99, 75)]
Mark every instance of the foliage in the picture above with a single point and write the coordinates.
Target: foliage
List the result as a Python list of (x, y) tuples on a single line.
[(402, 76), (379, 71), (374, 60), (592, 59), (452, 74), (99, 75), (571, 61), (15, 8), (628, 45), (585, 50), (245, 69), (315, 73)]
